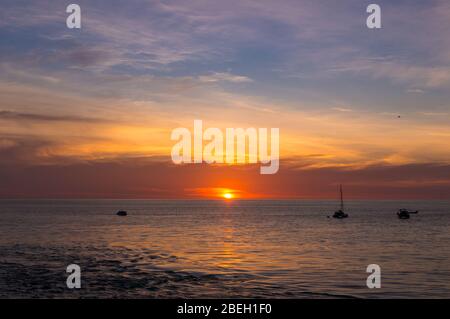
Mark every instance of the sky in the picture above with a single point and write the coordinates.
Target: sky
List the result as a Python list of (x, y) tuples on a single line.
[(88, 113)]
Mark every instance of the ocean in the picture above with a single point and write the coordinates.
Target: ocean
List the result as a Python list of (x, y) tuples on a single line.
[(223, 249)]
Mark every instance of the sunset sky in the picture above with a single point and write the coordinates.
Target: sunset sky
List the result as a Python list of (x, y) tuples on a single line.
[(88, 113)]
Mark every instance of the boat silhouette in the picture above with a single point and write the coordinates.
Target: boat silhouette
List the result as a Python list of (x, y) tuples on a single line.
[(405, 214), (340, 214), (121, 213)]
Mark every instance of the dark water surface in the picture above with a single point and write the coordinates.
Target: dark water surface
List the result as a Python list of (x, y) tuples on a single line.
[(217, 249)]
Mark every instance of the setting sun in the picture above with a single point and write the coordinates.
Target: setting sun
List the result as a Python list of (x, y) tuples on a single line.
[(228, 195)]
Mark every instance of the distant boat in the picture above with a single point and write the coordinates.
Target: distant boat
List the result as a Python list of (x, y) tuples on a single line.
[(121, 213), (340, 213), (405, 214), (402, 214)]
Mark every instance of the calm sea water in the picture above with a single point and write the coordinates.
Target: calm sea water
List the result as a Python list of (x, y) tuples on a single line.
[(217, 249)]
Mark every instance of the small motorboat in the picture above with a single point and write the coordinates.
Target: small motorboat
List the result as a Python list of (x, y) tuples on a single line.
[(405, 214), (340, 213), (121, 213)]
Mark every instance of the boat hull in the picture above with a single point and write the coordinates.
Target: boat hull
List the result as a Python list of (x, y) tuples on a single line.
[(340, 215)]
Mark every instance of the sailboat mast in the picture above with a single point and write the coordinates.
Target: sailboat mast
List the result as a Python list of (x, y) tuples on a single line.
[(342, 198)]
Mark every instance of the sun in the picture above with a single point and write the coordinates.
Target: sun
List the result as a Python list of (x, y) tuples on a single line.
[(228, 196)]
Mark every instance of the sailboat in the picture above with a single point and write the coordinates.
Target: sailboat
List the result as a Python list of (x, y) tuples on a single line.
[(340, 213)]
